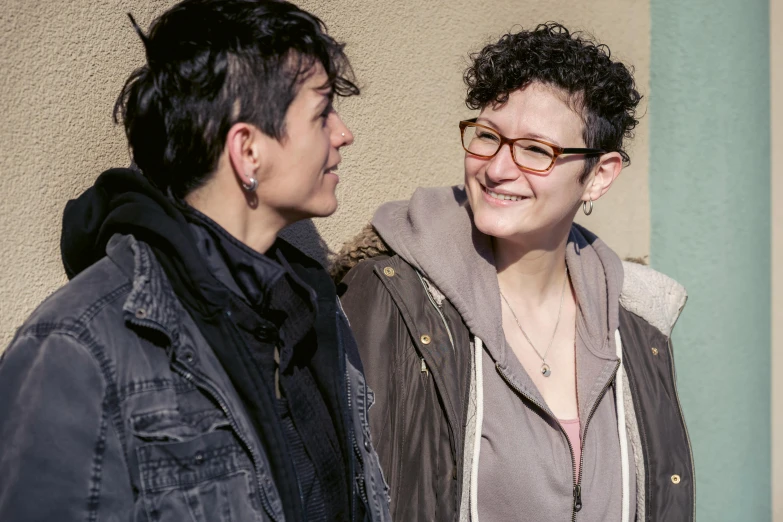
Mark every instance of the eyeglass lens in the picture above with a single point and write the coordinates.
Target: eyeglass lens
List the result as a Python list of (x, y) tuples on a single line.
[(527, 153)]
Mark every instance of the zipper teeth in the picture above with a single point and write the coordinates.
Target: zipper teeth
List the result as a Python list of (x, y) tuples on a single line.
[(354, 443), (682, 419), (262, 492), (362, 491), (577, 481), (587, 423), (562, 430), (437, 309)]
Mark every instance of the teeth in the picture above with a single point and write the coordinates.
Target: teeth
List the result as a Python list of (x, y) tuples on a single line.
[(504, 197)]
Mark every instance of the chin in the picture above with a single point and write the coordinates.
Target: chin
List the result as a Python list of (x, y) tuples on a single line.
[(494, 226), (324, 207)]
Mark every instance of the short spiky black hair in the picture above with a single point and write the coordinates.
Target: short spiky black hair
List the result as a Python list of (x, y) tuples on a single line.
[(603, 91), (214, 63)]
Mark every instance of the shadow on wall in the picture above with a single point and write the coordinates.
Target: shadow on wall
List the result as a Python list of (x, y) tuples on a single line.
[(305, 236)]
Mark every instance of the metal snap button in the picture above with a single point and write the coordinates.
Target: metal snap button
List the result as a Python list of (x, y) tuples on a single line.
[(141, 313), (654, 350), (676, 479), (199, 458), (388, 271), (367, 444), (425, 339), (189, 357)]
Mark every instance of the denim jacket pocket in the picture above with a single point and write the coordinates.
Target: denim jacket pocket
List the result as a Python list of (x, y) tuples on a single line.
[(172, 426), (204, 478)]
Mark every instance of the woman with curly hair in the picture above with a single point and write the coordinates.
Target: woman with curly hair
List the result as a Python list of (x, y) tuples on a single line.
[(521, 370)]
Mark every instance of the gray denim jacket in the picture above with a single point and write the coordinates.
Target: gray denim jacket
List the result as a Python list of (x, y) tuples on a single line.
[(113, 407)]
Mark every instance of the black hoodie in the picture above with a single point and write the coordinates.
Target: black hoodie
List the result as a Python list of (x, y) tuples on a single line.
[(123, 201)]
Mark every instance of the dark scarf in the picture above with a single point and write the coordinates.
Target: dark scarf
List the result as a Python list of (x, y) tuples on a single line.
[(122, 201)]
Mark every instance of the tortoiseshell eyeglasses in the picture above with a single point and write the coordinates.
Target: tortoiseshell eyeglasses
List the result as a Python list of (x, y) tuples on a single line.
[(530, 154)]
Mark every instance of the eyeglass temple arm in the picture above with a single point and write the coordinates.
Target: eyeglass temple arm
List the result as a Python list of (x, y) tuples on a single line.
[(582, 151)]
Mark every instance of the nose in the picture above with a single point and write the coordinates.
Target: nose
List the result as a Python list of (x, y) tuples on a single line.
[(501, 167), (341, 134)]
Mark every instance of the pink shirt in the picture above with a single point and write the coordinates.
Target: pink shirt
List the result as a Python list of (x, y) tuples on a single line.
[(572, 428)]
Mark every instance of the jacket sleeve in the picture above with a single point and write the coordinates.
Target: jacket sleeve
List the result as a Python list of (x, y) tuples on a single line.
[(60, 459), (384, 345)]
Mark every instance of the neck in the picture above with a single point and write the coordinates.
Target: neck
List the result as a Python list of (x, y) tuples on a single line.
[(254, 225), (530, 271)]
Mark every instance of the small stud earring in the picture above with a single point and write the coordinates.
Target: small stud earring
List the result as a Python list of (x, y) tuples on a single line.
[(342, 134)]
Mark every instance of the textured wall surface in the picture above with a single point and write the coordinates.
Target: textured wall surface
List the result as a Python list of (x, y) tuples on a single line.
[(710, 193), (64, 62)]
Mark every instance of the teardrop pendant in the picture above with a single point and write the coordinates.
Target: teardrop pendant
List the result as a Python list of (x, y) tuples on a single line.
[(545, 370)]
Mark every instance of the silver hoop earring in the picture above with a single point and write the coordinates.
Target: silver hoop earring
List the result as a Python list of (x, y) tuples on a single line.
[(584, 208), (252, 186)]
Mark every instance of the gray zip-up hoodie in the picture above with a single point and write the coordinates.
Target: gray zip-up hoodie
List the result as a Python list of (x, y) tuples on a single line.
[(521, 465)]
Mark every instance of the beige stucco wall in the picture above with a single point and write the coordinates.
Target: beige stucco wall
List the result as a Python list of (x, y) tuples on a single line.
[(64, 62)]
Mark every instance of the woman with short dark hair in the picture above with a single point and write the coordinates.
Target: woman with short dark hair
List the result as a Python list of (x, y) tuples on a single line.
[(521, 370), (196, 367)]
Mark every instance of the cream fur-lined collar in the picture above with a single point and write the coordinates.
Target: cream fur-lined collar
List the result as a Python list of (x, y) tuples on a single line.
[(653, 296)]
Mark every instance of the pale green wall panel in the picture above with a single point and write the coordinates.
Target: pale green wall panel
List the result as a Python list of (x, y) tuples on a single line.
[(710, 230)]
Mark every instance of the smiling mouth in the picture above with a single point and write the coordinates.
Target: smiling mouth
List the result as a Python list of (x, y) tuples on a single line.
[(501, 197)]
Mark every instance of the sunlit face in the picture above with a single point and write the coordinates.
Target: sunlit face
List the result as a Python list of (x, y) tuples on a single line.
[(299, 176), (539, 203)]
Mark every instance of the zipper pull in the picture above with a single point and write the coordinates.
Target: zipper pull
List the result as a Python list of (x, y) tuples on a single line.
[(577, 498), (424, 367)]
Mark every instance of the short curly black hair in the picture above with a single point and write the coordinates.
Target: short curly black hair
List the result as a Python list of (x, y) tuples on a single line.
[(601, 90)]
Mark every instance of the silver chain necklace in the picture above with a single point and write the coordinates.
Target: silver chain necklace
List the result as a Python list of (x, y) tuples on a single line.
[(546, 371)]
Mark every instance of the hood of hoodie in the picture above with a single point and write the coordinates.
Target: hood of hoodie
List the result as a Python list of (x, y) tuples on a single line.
[(125, 202), (120, 201), (203, 261), (435, 233)]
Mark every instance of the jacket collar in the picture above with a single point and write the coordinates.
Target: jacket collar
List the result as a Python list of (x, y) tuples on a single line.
[(151, 302), (653, 296), (265, 282)]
